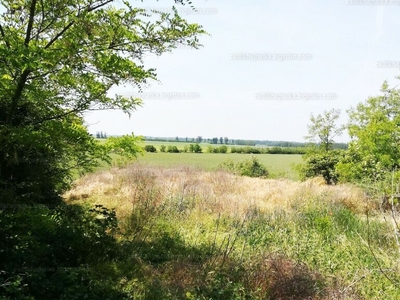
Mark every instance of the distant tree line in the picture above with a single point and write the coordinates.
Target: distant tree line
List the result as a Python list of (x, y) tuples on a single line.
[(101, 135), (240, 142), (196, 148)]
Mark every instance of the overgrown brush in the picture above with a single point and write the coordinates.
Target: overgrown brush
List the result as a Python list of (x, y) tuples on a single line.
[(189, 234)]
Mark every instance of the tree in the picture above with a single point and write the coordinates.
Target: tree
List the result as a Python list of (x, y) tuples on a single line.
[(320, 159), (59, 59), (221, 140), (126, 145), (323, 129), (226, 140), (374, 128)]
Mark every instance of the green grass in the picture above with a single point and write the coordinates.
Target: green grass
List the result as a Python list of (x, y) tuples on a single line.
[(190, 236), (277, 164)]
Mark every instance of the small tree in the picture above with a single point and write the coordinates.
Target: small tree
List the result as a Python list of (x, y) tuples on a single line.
[(320, 158), (163, 148), (126, 145)]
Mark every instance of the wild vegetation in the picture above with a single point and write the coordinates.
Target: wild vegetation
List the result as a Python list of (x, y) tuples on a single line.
[(140, 231), (191, 234)]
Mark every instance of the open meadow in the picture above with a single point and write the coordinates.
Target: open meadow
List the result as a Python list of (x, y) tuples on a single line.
[(187, 233)]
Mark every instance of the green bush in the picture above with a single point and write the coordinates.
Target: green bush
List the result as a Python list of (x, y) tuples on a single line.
[(252, 168), (195, 148), (321, 163), (249, 167), (223, 149), (172, 149), (150, 148), (163, 148), (53, 253)]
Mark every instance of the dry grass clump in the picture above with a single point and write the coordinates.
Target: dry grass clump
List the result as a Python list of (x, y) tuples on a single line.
[(212, 192)]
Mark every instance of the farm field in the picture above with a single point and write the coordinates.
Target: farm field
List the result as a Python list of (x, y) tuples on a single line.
[(280, 165)]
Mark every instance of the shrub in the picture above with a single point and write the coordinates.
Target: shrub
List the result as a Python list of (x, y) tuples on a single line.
[(249, 167), (321, 163), (211, 149), (252, 168), (172, 149), (163, 148), (223, 149), (150, 148), (195, 148)]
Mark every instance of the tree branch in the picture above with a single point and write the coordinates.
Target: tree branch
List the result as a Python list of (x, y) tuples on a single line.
[(4, 36), (89, 9), (30, 22)]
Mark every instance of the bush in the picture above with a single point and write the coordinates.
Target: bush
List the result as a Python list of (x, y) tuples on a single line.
[(223, 149), (172, 149), (211, 149), (53, 253), (249, 167), (150, 148), (163, 148), (195, 148), (321, 163), (252, 168)]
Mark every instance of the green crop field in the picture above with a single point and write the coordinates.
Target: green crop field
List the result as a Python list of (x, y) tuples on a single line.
[(277, 164)]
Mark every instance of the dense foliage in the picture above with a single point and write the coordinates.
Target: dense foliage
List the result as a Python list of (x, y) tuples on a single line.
[(249, 167), (59, 59)]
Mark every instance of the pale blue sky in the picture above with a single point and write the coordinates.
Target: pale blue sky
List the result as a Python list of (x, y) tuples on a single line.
[(215, 95)]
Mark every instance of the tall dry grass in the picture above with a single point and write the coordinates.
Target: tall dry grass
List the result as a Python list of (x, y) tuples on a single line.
[(275, 237), (216, 192)]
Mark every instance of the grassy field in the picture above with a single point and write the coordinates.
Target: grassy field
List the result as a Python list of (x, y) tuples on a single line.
[(190, 234), (278, 164)]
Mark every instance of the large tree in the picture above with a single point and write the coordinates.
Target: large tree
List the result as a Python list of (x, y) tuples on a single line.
[(59, 59), (374, 128)]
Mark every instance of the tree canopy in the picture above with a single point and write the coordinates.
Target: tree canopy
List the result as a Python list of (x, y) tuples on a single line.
[(375, 131), (59, 59)]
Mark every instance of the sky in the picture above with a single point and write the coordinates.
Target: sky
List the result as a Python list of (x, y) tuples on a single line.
[(265, 68)]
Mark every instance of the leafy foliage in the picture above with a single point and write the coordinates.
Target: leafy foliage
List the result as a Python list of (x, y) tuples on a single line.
[(320, 159), (58, 249), (249, 167), (59, 59), (172, 149), (375, 130), (321, 163), (126, 145), (150, 148)]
